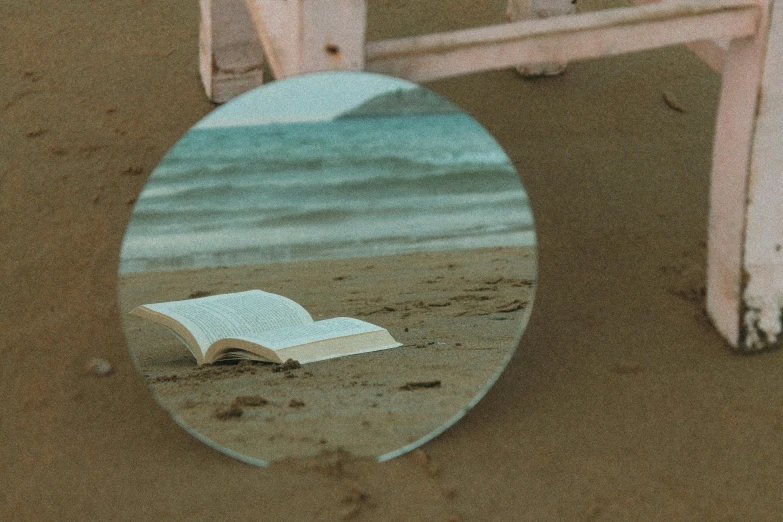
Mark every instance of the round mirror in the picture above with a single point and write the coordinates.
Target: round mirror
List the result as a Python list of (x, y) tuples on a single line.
[(332, 262)]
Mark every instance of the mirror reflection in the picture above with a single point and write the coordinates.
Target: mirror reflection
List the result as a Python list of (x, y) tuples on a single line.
[(330, 195)]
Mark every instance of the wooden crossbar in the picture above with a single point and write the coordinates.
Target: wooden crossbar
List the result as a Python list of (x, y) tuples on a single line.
[(587, 35)]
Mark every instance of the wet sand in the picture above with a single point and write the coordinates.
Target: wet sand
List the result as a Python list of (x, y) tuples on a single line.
[(459, 315)]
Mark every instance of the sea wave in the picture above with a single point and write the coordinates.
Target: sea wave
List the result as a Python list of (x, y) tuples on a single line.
[(257, 254), (350, 182)]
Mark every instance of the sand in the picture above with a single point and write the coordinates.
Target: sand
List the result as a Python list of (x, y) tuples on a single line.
[(92, 94), (459, 315)]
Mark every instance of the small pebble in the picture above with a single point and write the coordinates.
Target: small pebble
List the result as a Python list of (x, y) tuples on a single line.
[(99, 367), (287, 366)]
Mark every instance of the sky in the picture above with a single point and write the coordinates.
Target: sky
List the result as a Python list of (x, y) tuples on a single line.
[(311, 97)]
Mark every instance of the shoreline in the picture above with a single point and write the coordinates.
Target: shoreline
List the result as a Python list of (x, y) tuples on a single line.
[(301, 255)]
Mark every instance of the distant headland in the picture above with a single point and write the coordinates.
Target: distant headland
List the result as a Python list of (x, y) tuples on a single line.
[(402, 102)]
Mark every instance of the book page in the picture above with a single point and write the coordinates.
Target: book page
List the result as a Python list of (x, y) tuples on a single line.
[(231, 315), (313, 332)]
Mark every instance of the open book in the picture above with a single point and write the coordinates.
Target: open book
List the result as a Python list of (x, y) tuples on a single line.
[(261, 326)]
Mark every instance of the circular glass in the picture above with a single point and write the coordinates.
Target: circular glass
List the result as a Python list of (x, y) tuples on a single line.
[(333, 262)]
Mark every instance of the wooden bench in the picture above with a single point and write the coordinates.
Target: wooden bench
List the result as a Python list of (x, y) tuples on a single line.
[(742, 39)]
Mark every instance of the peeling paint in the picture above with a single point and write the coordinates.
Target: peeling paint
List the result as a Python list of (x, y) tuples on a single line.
[(761, 318), (761, 328)]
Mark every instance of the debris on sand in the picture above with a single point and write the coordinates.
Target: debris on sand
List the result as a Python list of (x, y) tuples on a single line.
[(232, 412), (411, 386), (250, 400), (672, 102), (290, 364)]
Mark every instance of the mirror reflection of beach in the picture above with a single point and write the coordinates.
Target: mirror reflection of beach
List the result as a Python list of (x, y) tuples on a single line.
[(388, 204)]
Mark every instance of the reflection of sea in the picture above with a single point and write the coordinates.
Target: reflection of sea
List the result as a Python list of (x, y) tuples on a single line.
[(345, 188)]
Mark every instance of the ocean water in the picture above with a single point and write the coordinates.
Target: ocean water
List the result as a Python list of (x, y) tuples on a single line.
[(349, 187)]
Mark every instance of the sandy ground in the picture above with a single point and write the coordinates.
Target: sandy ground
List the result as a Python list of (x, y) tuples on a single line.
[(622, 402), (459, 315)]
